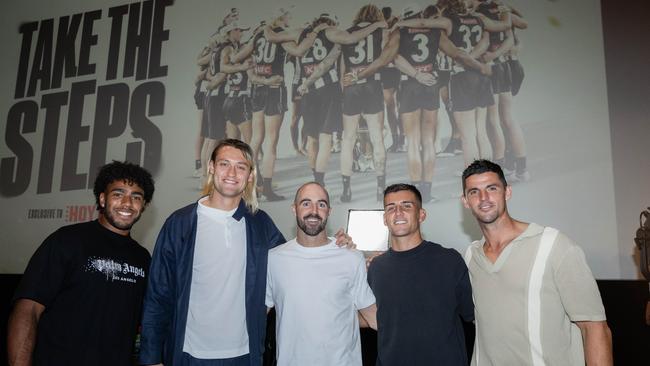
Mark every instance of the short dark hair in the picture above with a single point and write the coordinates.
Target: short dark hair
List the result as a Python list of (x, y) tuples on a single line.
[(404, 187), (123, 171), (483, 166)]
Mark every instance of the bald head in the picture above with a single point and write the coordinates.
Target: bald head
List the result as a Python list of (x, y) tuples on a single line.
[(312, 208), (299, 192)]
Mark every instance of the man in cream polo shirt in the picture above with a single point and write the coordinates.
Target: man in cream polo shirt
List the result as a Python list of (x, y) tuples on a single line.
[(536, 301)]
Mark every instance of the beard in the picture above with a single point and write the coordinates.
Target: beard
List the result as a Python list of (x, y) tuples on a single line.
[(313, 230), (120, 224)]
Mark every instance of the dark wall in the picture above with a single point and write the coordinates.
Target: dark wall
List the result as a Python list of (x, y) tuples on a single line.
[(624, 301), (627, 57), (8, 283), (625, 304)]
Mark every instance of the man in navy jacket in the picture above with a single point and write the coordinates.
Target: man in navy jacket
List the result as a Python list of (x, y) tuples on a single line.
[(205, 295)]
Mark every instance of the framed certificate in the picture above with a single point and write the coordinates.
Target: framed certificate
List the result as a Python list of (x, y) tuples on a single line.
[(367, 229)]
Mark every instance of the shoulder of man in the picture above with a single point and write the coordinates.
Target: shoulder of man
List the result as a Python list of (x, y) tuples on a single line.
[(78, 231), (259, 217), (352, 257), (183, 212), (180, 221), (73, 228), (438, 249), (379, 260), (142, 251), (563, 245), (278, 250)]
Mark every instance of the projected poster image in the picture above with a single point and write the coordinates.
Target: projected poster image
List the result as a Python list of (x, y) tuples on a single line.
[(356, 96), (385, 93), (394, 94)]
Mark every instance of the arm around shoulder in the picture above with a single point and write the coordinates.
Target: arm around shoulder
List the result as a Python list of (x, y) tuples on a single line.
[(368, 317)]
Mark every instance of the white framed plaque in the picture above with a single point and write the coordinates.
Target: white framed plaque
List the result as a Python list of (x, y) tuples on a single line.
[(367, 229)]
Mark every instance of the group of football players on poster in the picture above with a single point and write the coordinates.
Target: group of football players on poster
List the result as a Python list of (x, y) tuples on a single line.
[(347, 83)]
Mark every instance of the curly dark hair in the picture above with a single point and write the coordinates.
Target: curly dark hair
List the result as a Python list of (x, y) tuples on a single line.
[(483, 166), (404, 187), (123, 171)]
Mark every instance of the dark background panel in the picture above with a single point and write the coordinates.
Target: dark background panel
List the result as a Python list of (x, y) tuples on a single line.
[(625, 304)]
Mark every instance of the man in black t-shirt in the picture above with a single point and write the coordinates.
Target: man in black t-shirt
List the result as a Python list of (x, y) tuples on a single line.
[(79, 301), (422, 290)]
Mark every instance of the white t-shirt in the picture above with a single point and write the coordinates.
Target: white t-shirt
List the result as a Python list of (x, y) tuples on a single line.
[(316, 293), (216, 317)]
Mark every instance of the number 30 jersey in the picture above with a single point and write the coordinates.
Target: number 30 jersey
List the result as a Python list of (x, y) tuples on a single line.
[(358, 56), (419, 46), (269, 57)]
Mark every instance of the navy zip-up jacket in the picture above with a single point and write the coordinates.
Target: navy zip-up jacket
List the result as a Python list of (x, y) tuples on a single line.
[(170, 276)]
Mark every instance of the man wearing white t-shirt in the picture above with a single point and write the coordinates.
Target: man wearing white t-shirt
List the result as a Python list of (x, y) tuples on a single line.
[(536, 301), (317, 289)]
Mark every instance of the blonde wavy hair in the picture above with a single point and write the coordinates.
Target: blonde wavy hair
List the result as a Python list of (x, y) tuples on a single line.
[(250, 192), (455, 7), (368, 13)]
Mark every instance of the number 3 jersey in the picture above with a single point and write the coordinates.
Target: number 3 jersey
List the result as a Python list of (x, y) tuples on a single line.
[(419, 46), (360, 55)]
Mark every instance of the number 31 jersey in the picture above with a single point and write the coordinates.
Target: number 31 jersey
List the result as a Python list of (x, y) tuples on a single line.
[(358, 56)]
